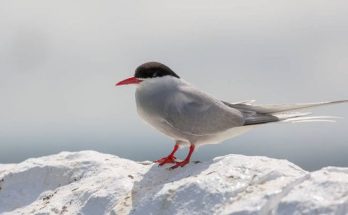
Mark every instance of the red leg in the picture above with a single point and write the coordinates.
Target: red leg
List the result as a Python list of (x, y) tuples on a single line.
[(170, 158), (187, 159)]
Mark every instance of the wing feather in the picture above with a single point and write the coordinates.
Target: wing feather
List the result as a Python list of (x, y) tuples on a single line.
[(192, 111)]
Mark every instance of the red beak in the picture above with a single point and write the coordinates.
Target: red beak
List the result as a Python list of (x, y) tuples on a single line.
[(132, 80)]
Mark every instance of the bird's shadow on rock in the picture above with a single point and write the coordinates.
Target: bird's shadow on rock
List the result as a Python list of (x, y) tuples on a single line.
[(155, 179)]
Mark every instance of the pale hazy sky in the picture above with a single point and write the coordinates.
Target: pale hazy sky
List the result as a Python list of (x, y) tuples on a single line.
[(59, 61)]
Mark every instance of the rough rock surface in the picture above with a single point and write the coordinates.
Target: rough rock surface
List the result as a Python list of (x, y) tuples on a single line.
[(89, 182)]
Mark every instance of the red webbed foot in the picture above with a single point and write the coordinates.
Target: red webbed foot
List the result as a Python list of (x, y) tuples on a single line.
[(165, 160), (170, 158), (180, 164)]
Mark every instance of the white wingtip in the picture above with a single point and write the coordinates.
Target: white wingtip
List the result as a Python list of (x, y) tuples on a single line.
[(313, 119), (246, 102)]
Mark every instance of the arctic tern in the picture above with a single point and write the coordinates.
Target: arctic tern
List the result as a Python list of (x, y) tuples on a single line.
[(192, 117)]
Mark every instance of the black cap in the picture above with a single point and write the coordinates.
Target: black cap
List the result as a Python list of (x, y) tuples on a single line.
[(153, 70)]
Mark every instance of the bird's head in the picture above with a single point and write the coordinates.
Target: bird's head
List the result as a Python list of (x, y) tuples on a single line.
[(149, 71)]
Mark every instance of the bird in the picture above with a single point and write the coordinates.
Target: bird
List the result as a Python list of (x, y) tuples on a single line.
[(192, 117)]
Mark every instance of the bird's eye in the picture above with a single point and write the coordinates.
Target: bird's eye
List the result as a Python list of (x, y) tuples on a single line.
[(154, 74)]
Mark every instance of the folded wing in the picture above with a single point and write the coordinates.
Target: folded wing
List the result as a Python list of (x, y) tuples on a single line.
[(196, 113)]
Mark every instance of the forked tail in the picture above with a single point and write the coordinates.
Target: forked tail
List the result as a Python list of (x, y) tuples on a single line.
[(260, 114)]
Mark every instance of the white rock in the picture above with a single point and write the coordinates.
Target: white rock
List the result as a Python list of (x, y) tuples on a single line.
[(89, 182), (326, 192)]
